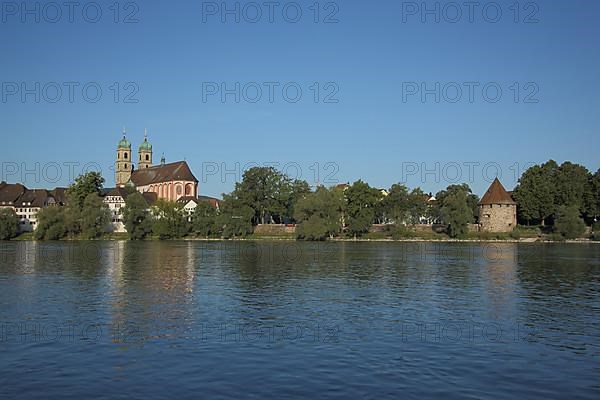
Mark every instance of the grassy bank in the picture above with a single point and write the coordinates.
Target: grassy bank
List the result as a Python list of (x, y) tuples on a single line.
[(521, 235)]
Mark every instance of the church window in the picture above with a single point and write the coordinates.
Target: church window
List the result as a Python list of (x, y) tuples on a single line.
[(147, 157), (125, 166), (125, 155)]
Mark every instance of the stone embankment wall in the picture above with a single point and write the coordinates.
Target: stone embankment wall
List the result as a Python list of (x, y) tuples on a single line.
[(274, 229)]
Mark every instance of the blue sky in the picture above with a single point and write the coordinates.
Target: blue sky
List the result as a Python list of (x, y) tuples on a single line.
[(366, 122)]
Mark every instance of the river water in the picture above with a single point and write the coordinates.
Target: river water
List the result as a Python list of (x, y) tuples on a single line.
[(298, 320)]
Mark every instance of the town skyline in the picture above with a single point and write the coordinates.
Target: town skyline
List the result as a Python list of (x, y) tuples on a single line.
[(400, 108), (430, 176)]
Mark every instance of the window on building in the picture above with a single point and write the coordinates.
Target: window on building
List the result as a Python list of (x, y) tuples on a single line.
[(125, 155), (147, 157)]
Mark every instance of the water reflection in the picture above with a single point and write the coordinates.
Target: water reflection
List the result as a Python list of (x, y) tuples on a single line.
[(501, 281), (151, 292), (389, 315)]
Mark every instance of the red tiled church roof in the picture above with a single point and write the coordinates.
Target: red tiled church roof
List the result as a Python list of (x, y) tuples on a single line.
[(177, 171)]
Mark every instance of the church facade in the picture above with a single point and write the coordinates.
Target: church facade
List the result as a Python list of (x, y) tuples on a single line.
[(168, 181)]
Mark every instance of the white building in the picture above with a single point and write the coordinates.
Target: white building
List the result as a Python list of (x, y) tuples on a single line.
[(190, 203), (26, 203), (115, 200)]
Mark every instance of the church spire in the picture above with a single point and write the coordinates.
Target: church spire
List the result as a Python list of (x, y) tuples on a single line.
[(123, 162), (145, 152)]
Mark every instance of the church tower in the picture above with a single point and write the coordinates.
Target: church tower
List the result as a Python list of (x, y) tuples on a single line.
[(123, 165), (145, 153)]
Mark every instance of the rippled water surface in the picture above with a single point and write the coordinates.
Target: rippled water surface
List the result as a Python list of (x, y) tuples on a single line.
[(298, 320)]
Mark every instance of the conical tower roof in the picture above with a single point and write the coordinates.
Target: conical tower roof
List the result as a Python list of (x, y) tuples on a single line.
[(496, 194)]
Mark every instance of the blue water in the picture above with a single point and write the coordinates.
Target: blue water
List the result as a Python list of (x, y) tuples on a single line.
[(298, 320)]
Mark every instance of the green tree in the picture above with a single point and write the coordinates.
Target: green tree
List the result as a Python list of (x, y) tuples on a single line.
[(72, 219), (596, 231), (457, 214), (204, 220), (170, 221), (418, 206), (235, 219), (291, 193), (571, 186), (78, 218), (569, 223), (95, 217), (472, 200), (9, 224), (592, 198), (536, 193), (84, 185), (319, 214), (136, 217), (396, 205), (261, 190), (51, 224), (362, 201)]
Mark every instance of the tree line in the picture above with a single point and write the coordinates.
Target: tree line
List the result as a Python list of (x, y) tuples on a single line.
[(266, 196), (548, 190), (562, 197)]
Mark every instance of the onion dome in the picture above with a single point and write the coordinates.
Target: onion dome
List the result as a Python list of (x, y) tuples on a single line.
[(145, 146), (124, 143)]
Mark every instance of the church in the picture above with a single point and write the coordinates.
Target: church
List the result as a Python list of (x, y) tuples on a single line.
[(169, 181)]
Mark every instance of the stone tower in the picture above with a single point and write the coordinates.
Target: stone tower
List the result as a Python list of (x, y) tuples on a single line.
[(497, 210), (123, 164), (145, 153)]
